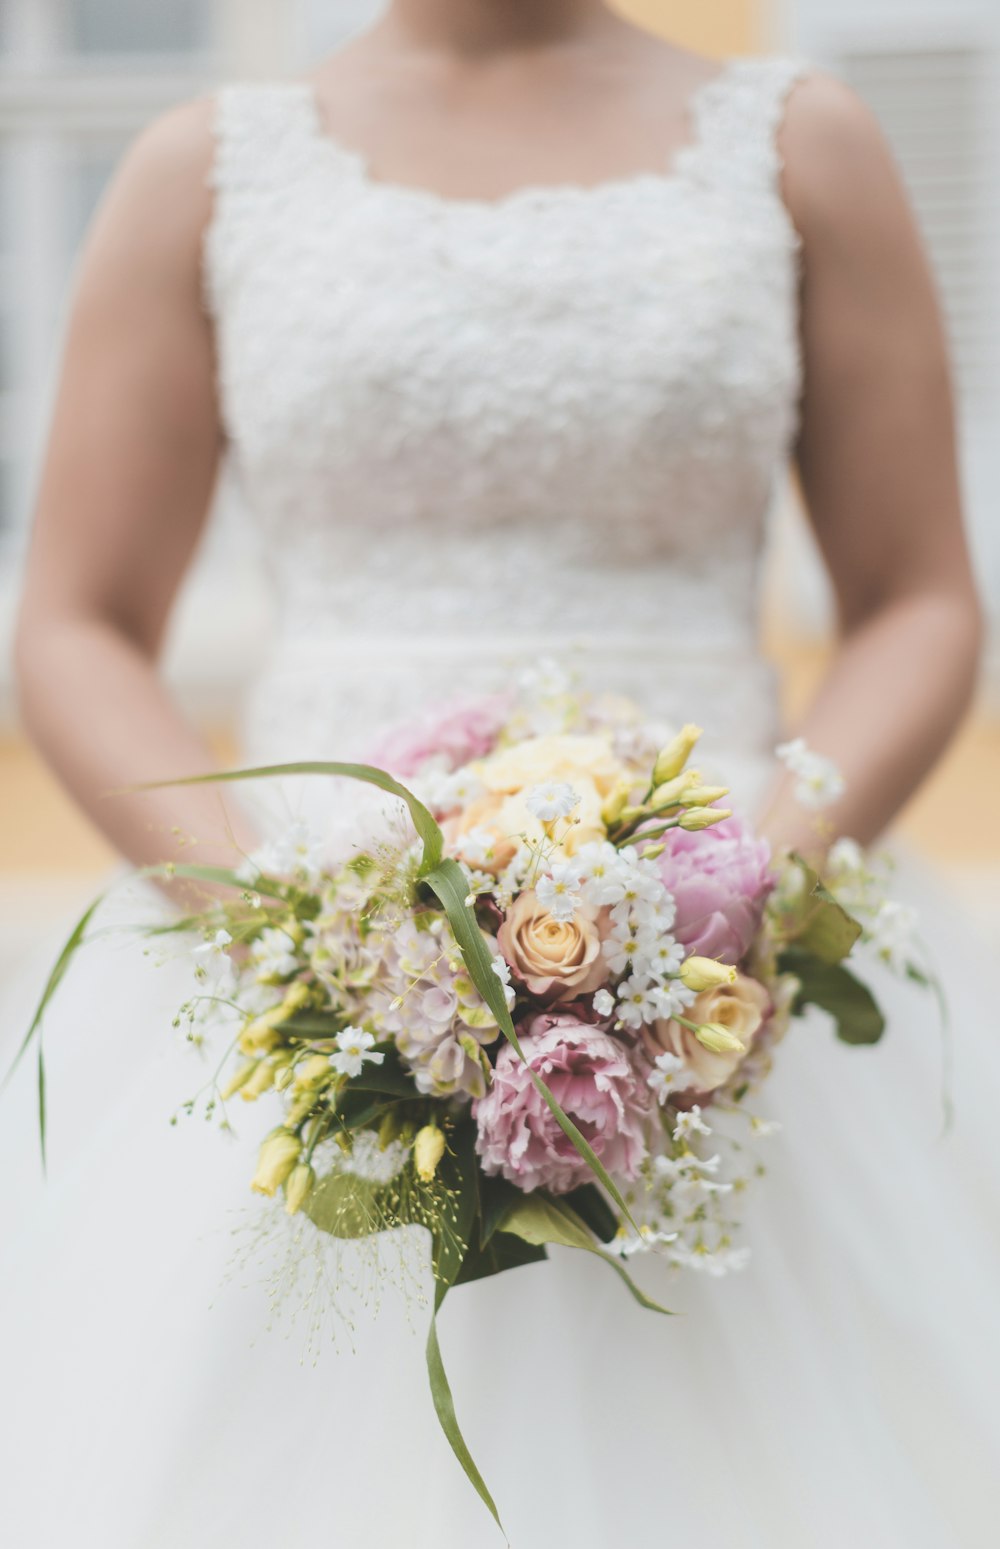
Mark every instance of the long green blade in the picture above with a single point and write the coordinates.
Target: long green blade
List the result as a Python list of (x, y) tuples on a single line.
[(427, 830), (444, 1405), (53, 982)]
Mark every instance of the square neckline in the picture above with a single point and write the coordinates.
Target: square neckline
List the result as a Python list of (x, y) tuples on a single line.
[(674, 173)]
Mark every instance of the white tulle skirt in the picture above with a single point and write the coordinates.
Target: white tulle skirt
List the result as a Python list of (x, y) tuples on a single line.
[(842, 1390)]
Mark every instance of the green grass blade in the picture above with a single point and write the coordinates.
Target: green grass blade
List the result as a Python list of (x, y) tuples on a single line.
[(427, 830), (444, 1406), (53, 982)]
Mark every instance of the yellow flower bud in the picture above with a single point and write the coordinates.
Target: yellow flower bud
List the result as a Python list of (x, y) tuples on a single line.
[(703, 795), (428, 1149), (278, 1156), (676, 754), (260, 1082), (313, 1071), (241, 1077), (298, 1187), (615, 804), (671, 792), (702, 817), (718, 1039), (303, 1105), (704, 973)]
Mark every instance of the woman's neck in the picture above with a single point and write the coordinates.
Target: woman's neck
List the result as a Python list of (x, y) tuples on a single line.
[(476, 27)]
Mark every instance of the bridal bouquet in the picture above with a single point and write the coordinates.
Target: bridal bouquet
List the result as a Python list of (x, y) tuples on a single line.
[(528, 999)]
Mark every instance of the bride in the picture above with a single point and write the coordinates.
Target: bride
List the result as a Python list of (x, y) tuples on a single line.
[(507, 320)]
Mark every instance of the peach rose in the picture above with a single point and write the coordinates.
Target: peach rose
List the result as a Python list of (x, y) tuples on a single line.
[(585, 763), (742, 1008), (553, 959)]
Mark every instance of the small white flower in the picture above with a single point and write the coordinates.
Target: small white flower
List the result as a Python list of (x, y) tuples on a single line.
[(604, 1003), (666, 956), (555, 799), (501, 968), (457, 790), (626, 948), (600, 872), (820, 782), (559, 892), (213, 961), (669, 1075), (765, 1127), (625, 1243), (546, 680), (634, 1005), (892, 933), (690, 1123), (297, 852), (273, 954), (672, 999), (355, 1048), (476, 846)]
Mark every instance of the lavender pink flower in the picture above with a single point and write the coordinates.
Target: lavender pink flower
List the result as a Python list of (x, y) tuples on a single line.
[(720, 879), (458, 733), (594, 1079)]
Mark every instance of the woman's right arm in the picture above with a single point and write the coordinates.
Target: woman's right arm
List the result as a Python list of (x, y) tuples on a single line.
[(128, 479)]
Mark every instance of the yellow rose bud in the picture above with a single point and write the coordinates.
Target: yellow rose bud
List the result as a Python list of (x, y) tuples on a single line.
[(260, 1082), (718, 1039), (702, 817), (298, 1187), (703, 795), (240, 1079), (676, 754), (428, 1149), (704, 973), (278, 1156)]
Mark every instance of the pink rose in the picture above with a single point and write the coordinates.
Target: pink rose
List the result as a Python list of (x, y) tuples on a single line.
[(720, 879), (592, 1076), (458, 733)]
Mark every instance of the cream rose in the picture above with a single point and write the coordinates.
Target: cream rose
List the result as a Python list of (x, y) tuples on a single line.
[(553, 959), (741, 1008), (585, 763)]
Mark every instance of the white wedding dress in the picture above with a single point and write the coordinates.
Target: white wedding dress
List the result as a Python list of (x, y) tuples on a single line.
[(471, 433)]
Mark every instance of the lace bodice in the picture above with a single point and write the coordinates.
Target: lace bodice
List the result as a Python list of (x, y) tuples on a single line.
[(470, 430)]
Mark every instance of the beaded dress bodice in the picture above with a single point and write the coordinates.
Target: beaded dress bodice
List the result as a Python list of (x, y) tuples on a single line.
[(472, 431)]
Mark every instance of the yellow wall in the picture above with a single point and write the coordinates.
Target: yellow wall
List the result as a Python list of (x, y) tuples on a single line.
[(708, 26)]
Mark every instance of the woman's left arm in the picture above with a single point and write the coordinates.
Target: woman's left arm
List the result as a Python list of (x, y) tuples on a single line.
[(877, 461)]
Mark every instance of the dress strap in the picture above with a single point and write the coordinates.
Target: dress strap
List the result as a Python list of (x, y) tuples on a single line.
[(739, 116), (260, 134)]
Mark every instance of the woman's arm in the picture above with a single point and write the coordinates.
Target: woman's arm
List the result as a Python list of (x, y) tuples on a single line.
[(128, 480), (877, 461)]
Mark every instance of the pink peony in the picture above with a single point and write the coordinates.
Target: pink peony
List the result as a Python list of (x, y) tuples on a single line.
[(458, 733), (720, 879), (593, 1078)]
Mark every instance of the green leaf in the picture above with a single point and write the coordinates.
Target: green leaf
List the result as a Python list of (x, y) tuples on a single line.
[(836, 991), (540, 1219), (449, 883), (594, 1210), (496, 1198), (504, 1251), (343, 1205), (459, 1170), (827, 931), (444, 1406)]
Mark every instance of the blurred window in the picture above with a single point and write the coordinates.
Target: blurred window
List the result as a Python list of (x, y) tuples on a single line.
[(128, 27)]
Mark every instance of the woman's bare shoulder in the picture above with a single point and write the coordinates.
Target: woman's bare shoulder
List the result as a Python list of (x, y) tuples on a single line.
[(837, 163)]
